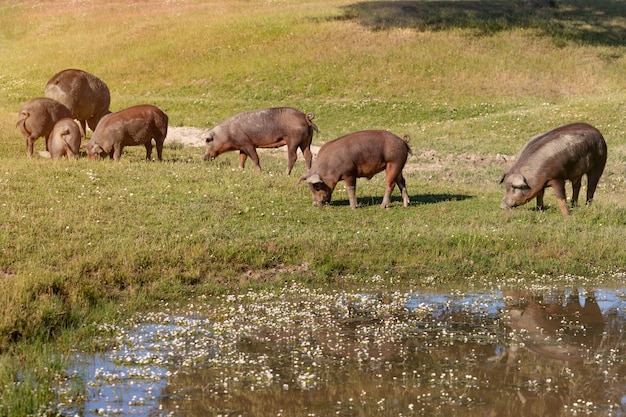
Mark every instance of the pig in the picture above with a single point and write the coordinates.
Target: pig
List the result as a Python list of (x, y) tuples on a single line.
[(37, 117), (264, 128), (357, 155), (86, 95), (136, 125), (64, 139), (548, 160)]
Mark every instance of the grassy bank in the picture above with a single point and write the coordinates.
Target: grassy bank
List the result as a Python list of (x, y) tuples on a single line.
[(469, 85)]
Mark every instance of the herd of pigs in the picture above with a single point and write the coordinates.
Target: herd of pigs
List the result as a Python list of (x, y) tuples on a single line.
[(75, 99)]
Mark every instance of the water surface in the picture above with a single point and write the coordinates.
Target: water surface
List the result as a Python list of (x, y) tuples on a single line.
[(554, 352)]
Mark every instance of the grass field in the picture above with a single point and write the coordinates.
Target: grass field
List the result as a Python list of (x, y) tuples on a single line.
[(470, 82)]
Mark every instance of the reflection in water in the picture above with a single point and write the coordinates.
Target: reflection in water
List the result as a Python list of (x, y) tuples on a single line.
[(304, 353)]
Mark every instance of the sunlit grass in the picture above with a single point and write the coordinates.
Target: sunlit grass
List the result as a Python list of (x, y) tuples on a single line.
[(77, 237)]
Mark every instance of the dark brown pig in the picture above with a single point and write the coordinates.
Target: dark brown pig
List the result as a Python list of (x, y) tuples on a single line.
[(265, 128), (357, 155), (64, 139), (548, 160), (133, 126), (37, 118), (87, 96)]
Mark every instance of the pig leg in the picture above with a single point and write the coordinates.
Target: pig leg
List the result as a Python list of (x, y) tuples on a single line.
[(575, 191), (159, 147), (83, 126), (291, 157), (351, 188), (402, 186), (69, 153), (116, 152), (592, 182), (393, 174), (148, 146), (308, 156), (249, 152), (559, 190), (242, 159), (387, 197), (29, 146), (540, 199)]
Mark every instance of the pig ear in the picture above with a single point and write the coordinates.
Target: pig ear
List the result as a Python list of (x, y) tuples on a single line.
[(314, 179), (518, 181)]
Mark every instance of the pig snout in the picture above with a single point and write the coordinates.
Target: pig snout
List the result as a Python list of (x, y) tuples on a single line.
[(210, 152), (321, 201), (320, 191), (505, 204), (511, 201)]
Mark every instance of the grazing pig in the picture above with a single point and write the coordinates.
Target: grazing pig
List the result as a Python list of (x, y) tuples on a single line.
[(86, 95), (136, 125), (64, 139), (357, 155), (548, 160), (265, 128), (37, 118)]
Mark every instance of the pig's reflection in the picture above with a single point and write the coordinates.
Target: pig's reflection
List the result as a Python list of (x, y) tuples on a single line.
[(557, 326)]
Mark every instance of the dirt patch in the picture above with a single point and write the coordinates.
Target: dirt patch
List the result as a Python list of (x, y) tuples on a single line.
[(430, 161), (190, 136)]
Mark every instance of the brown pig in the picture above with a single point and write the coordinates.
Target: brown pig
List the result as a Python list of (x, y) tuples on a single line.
[(136, 125), (64, 139), (86, 95), (264, 128), (37, 117), (548, 160), (357, 155)]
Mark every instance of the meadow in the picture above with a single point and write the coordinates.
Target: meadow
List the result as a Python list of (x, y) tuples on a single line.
[(470, 82)]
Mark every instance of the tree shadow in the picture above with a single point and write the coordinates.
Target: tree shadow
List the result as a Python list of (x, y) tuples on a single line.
[(598, 22)]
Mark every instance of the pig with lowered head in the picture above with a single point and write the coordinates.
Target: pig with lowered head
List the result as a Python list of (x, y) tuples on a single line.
[(264, 128), (548, 160), (133, 126), (64, 139), (37, 117), (357, 155)]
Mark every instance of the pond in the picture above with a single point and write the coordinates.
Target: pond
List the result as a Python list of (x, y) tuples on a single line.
[(300, 352)]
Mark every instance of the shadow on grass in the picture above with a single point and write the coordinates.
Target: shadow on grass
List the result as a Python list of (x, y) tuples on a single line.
[(598, 22), (416, 200)]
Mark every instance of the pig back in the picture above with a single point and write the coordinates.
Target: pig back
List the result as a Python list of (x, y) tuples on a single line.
[(264, 126), (39, 115), (363, 153), (83, 93), (132, 126), (567, 152)]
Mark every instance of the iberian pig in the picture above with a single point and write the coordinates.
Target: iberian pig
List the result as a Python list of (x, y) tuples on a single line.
[(64, 139), (548, 160), (133, 126), (86, 95), (264, 128), (357, 155), (37, 118)]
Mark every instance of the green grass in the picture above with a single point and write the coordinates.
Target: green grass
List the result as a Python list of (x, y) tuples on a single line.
[(469, 85)]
